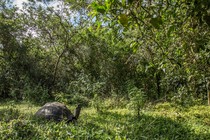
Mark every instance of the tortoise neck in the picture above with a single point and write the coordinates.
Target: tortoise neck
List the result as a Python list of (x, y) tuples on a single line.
[(77, 112)]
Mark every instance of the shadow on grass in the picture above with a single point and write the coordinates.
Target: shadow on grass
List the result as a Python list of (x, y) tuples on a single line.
[(144, 127), (7, 114)]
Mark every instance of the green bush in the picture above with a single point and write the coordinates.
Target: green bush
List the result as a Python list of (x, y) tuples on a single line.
[(137, 100), (36, 94)]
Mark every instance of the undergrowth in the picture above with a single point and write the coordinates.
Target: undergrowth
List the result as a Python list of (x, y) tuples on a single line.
[(162, 121)]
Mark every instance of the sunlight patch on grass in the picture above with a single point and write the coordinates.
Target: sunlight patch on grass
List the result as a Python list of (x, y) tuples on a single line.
[(162, 121)]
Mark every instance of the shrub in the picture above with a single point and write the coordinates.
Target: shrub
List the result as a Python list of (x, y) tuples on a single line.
[(137, 100)]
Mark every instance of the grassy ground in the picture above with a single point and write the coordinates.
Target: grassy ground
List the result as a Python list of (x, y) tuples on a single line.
[(163, 121)]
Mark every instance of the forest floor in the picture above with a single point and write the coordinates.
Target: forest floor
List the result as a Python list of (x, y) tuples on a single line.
[(161, 121)]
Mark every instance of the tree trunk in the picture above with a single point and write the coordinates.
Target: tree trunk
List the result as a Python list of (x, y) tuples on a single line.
[(158, 78), (208, 92)]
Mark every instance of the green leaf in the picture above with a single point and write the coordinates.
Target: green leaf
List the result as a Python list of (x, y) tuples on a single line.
[(108, 4), (133, 46), (101, 9), (171, 29), (124, 2), (123, 19), (156, 22), (130, 1)]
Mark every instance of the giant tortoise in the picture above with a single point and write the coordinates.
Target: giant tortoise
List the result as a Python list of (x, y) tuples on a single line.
[(58, 112)]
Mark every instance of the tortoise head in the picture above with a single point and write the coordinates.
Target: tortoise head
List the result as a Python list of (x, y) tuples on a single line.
[(76, 114), (77, 111)]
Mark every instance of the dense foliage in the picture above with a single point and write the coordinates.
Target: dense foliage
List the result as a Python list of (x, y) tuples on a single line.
[(80, 51)]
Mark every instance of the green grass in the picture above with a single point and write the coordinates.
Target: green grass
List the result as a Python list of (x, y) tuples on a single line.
[(163, 121)]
